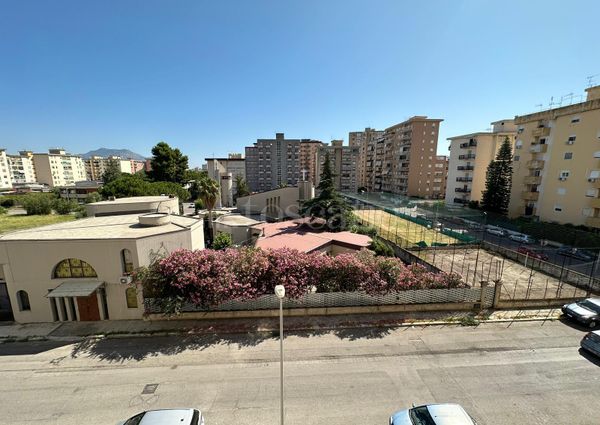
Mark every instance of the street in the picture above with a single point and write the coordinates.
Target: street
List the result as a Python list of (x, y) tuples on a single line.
[(502, 373)]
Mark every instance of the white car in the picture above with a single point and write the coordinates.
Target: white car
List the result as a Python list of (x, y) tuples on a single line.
[(520, 238), (495, 231), (166, 417), (433, 414)]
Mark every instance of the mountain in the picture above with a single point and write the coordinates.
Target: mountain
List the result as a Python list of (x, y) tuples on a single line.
[(123, 153)]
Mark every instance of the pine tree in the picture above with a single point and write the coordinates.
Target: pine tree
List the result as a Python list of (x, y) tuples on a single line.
[(329, 204), (498, 182)]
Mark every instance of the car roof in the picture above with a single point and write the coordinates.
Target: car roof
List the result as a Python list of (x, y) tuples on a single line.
[(594, 300), (168, 417), (449, 414)]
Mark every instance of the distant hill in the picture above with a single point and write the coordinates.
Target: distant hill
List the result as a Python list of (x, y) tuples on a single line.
[(123, 153)]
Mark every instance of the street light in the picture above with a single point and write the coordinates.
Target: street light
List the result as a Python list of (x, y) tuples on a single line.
[(280, 293)]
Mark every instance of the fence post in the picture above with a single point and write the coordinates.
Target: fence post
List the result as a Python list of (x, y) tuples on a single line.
[(482, 296), (497, 292)]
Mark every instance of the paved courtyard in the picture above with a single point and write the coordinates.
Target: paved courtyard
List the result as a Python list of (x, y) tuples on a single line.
[(518, 280), (502, 373)]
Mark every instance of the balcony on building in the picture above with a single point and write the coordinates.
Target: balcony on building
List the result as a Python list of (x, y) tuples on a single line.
[(470, 143), (597, 154), (532, 180), (467, 156), (530, 196), (465, 167), (595, 203), (538, 148), (593, 222), (462, 189), (535, 164), (541, 132), (460, 201)]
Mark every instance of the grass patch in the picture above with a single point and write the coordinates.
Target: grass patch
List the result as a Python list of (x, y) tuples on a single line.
[(469, 321), (401, 231), (9, 223)]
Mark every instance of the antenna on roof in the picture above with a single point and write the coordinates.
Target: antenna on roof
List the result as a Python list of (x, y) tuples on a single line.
[(539, 105), (551, 104), (568, 95), (590, 79)]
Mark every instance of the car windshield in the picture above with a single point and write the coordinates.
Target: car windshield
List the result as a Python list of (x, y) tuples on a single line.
[(195, 418), (135, 420), (421, 416), (590, 305)]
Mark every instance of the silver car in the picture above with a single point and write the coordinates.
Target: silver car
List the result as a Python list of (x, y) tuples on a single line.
[(167, 417), (433, 414)]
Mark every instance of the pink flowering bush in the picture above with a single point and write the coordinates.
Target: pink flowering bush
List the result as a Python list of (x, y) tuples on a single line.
[(208, 278)]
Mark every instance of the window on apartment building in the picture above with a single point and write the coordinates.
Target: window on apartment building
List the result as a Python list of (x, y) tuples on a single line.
[(519, 144), (558, 208), (516, 158), (568, 155), (564, 174), (561, 191), (587, 212), (571, 139), (23, 301), (575, 120), (591, 193)]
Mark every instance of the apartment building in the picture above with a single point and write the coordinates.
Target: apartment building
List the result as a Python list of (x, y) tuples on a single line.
[(343, 160), (21, 168), (440, 177), (272, 163), (58, 168), (224, 171), (308, 160), (5, 174), (470, 155), (95, 166), (556, 168), (400, 159), (365, 142)]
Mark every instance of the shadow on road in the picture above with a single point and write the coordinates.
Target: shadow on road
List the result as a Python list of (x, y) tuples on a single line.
[(140, 348), (575, 325), (29, 347), (589, 356)]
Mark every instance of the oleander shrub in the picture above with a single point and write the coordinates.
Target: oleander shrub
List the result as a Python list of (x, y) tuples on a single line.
[(210, 277)]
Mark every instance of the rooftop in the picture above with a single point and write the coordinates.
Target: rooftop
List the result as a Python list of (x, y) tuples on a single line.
[(133, 200), (289, 234), (236, 220), (106, 227)]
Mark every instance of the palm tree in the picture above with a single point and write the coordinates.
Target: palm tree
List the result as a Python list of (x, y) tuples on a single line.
[(209, 193)]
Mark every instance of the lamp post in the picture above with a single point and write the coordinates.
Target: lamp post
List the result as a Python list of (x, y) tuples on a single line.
[(280, 293)]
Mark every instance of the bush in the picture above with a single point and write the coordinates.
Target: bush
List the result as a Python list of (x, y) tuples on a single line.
[(93, 197), (3, 210), (37, 204), (222, 241), (209, 277), (7, 202), (363, 230), (64, 206), (198, 205), (381, 248)]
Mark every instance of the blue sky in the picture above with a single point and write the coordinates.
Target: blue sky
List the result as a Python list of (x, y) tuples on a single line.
[(212, 77)]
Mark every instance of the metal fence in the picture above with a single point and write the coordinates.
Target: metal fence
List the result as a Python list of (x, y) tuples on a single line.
[(348, 299)]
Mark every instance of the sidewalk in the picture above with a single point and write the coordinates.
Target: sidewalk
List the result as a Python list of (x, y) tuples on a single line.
[(121, 328)]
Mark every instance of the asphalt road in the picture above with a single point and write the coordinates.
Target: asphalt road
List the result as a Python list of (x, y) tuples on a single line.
[(502, 373)]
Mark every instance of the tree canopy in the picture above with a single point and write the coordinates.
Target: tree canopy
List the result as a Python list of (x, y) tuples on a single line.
[(329, 204), (135, 185), (112, 171), (168, 164), (498, 182), (241, 186)]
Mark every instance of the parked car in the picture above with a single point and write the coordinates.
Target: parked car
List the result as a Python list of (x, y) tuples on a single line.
[(167, 417), (586, 312), (433, 414), (531, 253), (591, 342), (495, 231), (521, 238), (578, 253)]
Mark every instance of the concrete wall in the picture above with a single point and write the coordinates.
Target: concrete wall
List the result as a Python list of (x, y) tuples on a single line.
[(164, 204), (276, 203)]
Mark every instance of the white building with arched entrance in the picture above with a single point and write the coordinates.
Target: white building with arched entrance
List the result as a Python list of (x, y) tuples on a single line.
[(80, 270)]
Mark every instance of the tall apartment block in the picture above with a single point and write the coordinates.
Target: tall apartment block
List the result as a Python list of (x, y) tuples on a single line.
[(401, 159), (556, 168), (95, 166), (308, 160), (224, 171), (21, 167), (470, 155), (58, 168), (271, 163), (343, 160), (365, 142), (5, 176)]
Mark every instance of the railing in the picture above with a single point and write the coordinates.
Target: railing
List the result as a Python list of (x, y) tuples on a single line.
[(535, 163), (541, 132), (467, 156), (464, 179), (530, 196), (462, 189), (538, 148), (532, 180), (465, 167)]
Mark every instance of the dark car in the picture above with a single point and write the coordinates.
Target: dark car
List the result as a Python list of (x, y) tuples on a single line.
[(580, 254), (532, 254), (586, 312), (591, 342)]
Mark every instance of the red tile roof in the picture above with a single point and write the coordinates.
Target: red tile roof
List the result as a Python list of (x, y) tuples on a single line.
[(287, 234)]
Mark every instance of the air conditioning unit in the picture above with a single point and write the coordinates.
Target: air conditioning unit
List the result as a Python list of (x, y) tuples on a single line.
[(125, 280), (591, 180), (570, 142), (562, 179)]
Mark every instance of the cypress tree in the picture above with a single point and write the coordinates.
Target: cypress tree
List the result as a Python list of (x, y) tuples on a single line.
[(498, 182)]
